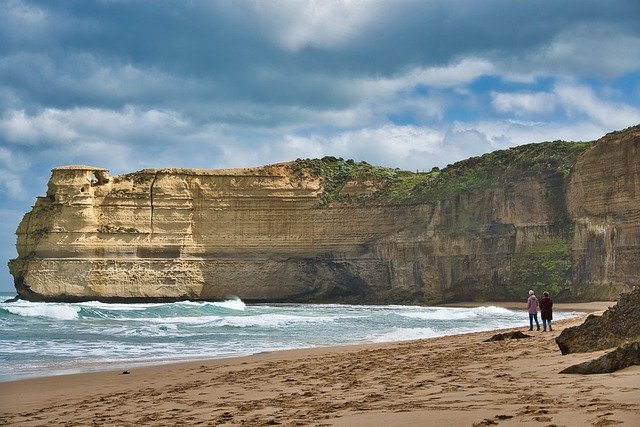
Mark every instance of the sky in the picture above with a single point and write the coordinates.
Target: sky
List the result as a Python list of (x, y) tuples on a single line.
[(412, 84)]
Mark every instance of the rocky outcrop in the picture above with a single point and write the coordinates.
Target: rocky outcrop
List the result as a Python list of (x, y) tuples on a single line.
[(620, 358), (514, 335), (560, 216), (618, 325)]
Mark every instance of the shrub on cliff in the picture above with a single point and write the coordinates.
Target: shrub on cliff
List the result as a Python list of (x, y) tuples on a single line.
[(393, 186)]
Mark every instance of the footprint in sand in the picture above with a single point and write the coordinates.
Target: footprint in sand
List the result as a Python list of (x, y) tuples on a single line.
[(605, 422)]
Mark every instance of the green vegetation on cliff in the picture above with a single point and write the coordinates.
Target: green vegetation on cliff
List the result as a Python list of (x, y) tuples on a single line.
[(543, 267), (393, 186)]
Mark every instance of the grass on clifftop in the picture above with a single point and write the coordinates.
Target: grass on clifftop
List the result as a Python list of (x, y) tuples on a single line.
[(381, 185)]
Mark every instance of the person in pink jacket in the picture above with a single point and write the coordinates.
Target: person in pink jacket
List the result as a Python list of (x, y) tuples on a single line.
[(532, 308)]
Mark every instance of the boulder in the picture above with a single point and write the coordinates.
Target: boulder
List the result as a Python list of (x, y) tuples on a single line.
[(515, 335), (618, 325), (620, 358)]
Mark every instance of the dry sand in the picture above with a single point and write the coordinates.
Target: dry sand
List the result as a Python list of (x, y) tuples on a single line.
[(450, 381)]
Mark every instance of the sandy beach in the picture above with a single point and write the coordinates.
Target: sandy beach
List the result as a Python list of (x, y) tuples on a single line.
[(456, 380)]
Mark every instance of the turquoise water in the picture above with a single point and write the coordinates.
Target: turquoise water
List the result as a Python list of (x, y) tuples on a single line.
[(40, 339)]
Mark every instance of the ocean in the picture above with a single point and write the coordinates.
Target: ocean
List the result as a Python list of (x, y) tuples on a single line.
[(44, 339)]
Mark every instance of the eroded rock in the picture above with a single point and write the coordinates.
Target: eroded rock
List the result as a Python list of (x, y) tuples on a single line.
[(617, 325), (620, 358), (515, 335)]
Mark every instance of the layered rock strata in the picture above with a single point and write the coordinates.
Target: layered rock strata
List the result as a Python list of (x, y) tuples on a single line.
[(336, 231), (617, 326)]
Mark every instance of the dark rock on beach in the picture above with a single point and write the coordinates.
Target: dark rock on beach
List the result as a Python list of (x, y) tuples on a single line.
[(508, 336), (620, 358), (617, 326)]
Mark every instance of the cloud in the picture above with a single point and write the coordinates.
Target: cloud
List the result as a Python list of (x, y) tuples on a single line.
[(11, 185), (582, 99), (21, 22), (458, 73), (524, 103), (572, 51), (573, 101), (56, 126), (399, 146), (91, 136), (407, 147), (509, 133), (295, 25), (12, 166)]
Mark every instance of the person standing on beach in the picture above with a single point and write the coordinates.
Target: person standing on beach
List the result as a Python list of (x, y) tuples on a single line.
[(546, 311), (532, 308)]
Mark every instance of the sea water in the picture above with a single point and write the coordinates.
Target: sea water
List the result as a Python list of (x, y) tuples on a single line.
[(41, 339)]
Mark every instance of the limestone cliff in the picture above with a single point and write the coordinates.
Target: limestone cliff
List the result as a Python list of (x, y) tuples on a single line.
[(560, 216)]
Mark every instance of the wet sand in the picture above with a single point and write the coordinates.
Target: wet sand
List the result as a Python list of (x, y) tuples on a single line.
[(448, 381)]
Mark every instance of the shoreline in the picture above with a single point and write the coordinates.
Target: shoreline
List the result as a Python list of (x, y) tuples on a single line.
[(456, 379), (583, 307), (98, 366)]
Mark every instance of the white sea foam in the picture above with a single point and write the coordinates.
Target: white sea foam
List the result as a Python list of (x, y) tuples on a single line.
[(493, 310), (233, 304), (176, 320), (39, 309), (116, 307), (450, 313), (272, 320), (403, 334)]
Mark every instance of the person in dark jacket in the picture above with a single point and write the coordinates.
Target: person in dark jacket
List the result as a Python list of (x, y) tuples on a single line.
[(546, 311)]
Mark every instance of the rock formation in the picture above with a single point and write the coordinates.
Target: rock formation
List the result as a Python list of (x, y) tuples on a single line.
[(620, 358), (557, 216), (514, 335), (618, 325)]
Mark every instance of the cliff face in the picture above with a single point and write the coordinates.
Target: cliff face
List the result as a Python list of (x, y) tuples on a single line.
[(576, 234), (604, 200), (561, 216)]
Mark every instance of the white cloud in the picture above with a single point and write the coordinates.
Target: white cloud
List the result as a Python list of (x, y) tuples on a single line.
[(594, 49), (12, 167), (295, 24), (407, 147), (575, 101), (19, 127), (459, 73), (52, 126), (462, 72), (389, 145), (582, 99), (21, 21), (11, 185), (419, 108), (88, 76), (12, 161), (93, 136), (523, 103), (510, 133)]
